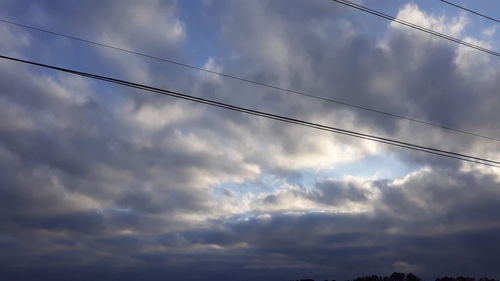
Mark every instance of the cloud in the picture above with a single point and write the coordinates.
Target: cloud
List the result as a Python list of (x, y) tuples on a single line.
[(409, 228), (412, 13), (104, 182)]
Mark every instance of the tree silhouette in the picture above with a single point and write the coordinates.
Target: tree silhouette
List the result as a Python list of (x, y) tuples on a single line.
[(398, 276)]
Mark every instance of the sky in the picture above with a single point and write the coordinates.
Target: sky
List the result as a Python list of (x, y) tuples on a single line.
[(105, 182)]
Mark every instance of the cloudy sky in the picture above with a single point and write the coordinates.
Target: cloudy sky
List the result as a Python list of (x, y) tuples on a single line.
[(104, 182)]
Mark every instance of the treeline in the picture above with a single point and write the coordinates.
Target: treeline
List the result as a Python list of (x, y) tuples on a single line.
[(397, 276)]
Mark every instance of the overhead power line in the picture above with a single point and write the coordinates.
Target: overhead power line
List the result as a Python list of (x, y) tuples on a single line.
[(418, 27), (459, 156), (470, 11), (281, 89)]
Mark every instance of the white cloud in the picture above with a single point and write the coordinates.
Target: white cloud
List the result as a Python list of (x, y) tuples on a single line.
[(489, 32), (211, 65), (411, 13)]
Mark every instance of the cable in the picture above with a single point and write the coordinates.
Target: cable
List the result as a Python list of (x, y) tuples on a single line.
[(393, 142), (470, 11), (418, 27), (282, 89)]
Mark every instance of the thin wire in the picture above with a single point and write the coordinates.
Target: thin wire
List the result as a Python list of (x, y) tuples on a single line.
[(282, 89), (418, 27), (470, 11), (393, 142)]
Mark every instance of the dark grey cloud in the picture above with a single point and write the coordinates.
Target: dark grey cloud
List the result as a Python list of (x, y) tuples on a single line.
[(443, 233), (423, 78), (332, 192), (430, 221)]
